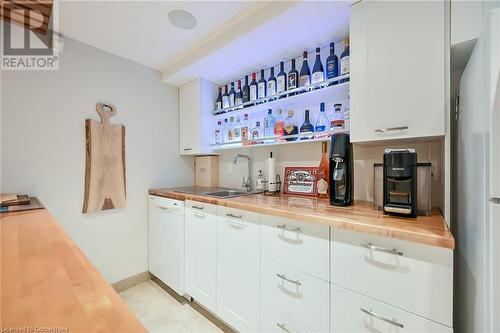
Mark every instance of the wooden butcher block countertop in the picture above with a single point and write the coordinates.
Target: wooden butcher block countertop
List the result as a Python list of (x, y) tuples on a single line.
[(431, 230), (48, 285)]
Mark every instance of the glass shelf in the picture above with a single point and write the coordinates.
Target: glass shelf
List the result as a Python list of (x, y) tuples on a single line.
[(317, 92), (276, 140)]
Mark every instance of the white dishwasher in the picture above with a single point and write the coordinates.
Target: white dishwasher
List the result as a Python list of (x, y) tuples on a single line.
[(166, 241)]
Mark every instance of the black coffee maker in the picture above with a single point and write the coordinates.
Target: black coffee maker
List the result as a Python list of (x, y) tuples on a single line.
[(400, 182), (341, 170)]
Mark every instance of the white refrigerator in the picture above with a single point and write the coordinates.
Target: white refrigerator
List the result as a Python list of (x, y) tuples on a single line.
[(477, 278)]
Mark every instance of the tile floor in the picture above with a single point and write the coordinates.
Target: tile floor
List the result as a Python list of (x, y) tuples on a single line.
[(160, 312)]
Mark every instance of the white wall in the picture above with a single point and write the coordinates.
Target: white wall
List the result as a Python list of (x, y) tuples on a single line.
[(43, 147)]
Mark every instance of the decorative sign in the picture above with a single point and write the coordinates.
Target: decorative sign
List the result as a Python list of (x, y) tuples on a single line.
[(301, 181)]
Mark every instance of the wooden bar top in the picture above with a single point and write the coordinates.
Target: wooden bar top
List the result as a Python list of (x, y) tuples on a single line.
[(430, 230), (48, 285)]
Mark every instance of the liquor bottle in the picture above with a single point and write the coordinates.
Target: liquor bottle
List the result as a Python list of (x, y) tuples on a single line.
[(347, 115), (225, 98), (291, 127), (230, 130), (256, 133), (246, 91), (293, 77), (306, 127), (269, 122), (323, 172), (305, 73), (217, 133), (344, 61), (218, 103), (279, 125), (261, 86), (253, 88), (224, 128), (332, 63), (232, 95), (318, 74), (244, 130), (322, 123), (281, 84), (271, 84), (237, 129), (239, 95), (337, 122)]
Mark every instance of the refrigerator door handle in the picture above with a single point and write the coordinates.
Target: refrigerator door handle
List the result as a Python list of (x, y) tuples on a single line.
[(493, 54)]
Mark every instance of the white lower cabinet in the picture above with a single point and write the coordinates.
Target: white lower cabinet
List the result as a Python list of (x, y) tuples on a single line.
[(352, 312), (295, 294), (273, 321), (201, 243), (238, 258)]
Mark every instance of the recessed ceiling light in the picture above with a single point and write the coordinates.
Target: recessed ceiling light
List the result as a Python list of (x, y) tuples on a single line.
[(182, 19)]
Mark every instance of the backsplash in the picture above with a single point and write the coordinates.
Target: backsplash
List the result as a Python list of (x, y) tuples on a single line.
[(308, 154)]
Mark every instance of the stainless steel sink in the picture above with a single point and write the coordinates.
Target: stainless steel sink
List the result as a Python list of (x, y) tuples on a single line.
[(227, 194), (217, 192)]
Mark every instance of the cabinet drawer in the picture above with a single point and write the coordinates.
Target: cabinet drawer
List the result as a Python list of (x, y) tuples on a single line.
[(201, 207), (352, 312), (299, 245), (295, 294), (238, 214), (275, 322), (415, 277)]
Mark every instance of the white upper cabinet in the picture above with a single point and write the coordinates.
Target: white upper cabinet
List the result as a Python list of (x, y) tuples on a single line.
[(196, 103), (466, 20), (397, 70)]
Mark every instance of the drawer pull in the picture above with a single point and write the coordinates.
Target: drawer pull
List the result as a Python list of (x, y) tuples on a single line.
[(235, 216), (383, 130), (387, 320), (284, 227), (283, 327), (382, 249), (284, 278), (188, 149), (161, 207), (197, 207), (238, 225)]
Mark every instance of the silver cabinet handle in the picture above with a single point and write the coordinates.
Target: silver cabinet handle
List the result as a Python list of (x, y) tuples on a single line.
[(238, 225), (161, 207), (283, 327), (284, 227), (235, 216), (187, 149), (283, 277), (389, 129), (382, 249), (198, 207), (387, 320)]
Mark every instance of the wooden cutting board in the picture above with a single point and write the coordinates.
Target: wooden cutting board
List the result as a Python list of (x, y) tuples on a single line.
[(105, 186)]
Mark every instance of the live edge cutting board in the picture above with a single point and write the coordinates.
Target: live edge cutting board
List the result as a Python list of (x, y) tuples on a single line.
[(104, 163)]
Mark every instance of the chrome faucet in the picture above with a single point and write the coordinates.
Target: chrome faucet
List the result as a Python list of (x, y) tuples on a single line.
[(248, 182)]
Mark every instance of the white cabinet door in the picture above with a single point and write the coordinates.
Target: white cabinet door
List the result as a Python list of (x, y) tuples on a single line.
[(238, 254), (397, 70), (166, 241), (201, 253), (351, 312), (196, 103)]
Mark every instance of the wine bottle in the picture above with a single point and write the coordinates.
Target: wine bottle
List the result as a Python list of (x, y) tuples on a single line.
[(291, 127), (281, 85), (271, 84), (318, 74), (239, 95), (218, 103), (344, 60), (323, 172), (305, 73), (261, 87), (225, 98), (246, 91), (232, 95), (306, 127), (322, 123), (332, 63), (253, 88), (293, 77)]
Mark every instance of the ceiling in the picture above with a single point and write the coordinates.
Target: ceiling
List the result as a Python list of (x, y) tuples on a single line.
[(231, 38), (140, 30)]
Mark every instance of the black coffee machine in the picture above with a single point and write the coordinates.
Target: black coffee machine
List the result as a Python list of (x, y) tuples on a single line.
[(341, 170), (400, 182)]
